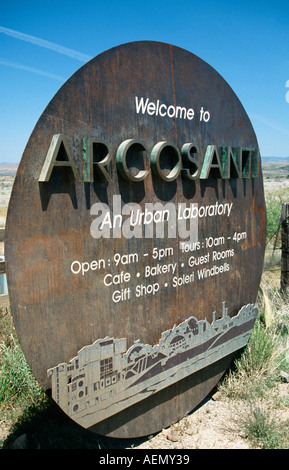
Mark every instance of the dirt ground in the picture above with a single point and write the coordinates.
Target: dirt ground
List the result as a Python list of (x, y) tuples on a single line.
[(213, 425), (208, 427)]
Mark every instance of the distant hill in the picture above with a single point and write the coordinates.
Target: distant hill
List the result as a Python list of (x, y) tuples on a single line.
[(275, 159), (8, 168)]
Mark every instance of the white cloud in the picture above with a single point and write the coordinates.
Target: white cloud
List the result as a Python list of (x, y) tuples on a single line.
[(46, 44), (31, 69), (272, 124)]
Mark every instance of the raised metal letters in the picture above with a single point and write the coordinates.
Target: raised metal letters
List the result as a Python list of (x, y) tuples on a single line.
[(58, 147), (245, 161)]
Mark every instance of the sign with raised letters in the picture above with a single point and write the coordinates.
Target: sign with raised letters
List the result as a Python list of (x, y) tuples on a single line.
[(135, 238)]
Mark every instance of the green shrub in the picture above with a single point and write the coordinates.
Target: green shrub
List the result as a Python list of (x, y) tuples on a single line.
[(263, 430), (257, 369), (16, 379)]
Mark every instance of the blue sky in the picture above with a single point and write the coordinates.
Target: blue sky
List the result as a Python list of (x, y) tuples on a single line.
[(43, 43)]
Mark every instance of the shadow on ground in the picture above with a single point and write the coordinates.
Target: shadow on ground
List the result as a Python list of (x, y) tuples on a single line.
[(49, 428)]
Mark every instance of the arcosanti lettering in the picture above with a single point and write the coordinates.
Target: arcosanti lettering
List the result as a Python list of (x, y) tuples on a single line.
[(217, 162)]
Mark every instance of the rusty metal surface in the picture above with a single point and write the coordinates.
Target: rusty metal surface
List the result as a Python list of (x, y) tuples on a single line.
[(56, 312)]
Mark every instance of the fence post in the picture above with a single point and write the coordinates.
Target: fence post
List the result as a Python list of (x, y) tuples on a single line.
[(285, 248)]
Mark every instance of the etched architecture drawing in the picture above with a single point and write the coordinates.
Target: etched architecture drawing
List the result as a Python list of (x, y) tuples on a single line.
[(106, 377)]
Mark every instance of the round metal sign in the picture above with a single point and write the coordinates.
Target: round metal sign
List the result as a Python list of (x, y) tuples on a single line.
[(135, 238)]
